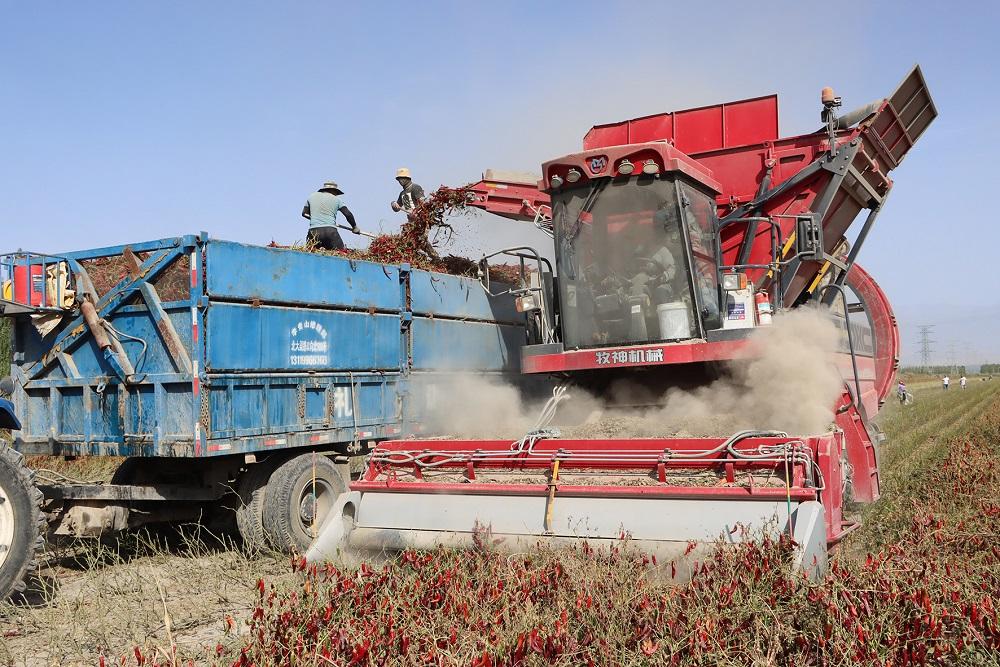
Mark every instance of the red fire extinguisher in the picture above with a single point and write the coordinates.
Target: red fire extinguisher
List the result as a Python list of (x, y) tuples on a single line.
[(28, 281), (763, 304)]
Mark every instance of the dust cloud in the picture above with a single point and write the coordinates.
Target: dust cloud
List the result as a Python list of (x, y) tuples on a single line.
[(479, 406), (788, 382)]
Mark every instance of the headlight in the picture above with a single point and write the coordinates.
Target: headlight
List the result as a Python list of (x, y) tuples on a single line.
[(734, 281), (525, 303)]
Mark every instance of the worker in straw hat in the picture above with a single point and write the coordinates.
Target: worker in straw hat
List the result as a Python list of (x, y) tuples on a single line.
[(411, 193), (321, 211)]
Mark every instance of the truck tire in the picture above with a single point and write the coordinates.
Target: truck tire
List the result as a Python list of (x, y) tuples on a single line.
[(251, 489), (300, 494), (22, 524)]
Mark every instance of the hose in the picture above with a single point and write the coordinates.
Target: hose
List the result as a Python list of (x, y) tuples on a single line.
[(119, 335)]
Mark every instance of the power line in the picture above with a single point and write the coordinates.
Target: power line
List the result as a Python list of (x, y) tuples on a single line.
[(925, 344)]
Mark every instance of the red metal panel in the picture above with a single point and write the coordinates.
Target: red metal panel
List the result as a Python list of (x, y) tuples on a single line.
[(653, 445), (517, 201), (602, 136), (884, 329), (700, 130), (589, 491), (604, 162), (828, 458), (860, 451), (751, 121), (695, 130), (646, 355), (651, 128)]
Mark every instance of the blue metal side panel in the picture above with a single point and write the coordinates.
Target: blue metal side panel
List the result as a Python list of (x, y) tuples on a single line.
[(151, 359), (134, 321), (75, 404), (443, 295), (245, 272), (453, 345), (153, 419), (334, 407), (246, 338)]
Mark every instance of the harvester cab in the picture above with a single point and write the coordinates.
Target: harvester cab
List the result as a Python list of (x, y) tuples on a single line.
[(695, 226), (674, 238), (635, 254)]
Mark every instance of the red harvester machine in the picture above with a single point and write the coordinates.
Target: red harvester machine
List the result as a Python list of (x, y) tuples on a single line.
[(675, 235)]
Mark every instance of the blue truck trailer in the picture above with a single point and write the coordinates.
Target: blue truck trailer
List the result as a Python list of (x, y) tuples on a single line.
[(231, 376)]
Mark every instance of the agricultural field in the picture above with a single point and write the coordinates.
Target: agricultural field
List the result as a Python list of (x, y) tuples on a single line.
[(918, 583)]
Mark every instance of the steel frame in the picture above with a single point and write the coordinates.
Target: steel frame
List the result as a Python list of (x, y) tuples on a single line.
[(814, 473)]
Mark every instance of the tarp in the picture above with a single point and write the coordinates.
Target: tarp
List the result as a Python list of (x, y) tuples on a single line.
[(7, 418)]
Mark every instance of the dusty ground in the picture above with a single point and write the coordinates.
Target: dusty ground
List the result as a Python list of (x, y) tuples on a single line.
[(148, 591)]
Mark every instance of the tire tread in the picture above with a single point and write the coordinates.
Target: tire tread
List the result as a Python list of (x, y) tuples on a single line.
[(31, 552)]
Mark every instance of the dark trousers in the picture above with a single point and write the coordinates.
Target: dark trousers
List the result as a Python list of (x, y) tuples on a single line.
[(327, 238)]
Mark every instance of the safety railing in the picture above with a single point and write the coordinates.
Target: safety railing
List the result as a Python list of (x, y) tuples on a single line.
[(35, 282)]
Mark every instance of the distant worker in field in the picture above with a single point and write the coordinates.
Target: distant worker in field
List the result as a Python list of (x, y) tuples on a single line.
[(901, 392), (321, 211), (945, 381), (411, 194), (962, 381)]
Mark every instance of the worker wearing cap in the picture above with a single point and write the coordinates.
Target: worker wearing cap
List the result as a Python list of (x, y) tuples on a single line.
[(321, 211), (411, 193)]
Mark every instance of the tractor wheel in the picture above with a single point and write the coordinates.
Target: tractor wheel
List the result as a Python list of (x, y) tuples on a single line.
[(22, 524), (300, 494), (251, 489)]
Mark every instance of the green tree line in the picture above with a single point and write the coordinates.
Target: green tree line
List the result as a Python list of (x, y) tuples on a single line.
[(936, 370), (5, 345)]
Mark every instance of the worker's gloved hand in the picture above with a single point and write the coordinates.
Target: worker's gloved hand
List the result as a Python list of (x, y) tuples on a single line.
[(396, 207), (356, 229)]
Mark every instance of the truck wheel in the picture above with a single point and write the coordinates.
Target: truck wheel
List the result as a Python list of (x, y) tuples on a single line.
[(22, 524), (300, 494), (251, 489)]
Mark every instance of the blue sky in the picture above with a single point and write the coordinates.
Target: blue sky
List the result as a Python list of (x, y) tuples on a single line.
[(124, 121)]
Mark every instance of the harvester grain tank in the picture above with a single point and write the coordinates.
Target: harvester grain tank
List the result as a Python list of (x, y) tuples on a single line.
[(674, 236)]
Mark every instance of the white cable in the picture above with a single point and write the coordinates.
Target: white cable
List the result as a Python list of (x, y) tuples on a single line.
[(118, 334)]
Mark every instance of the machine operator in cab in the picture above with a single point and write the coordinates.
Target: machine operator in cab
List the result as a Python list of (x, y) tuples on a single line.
[(321, 211)]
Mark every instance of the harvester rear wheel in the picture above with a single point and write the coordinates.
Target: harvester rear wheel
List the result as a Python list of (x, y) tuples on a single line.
[(22, 524), (300, 494)]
